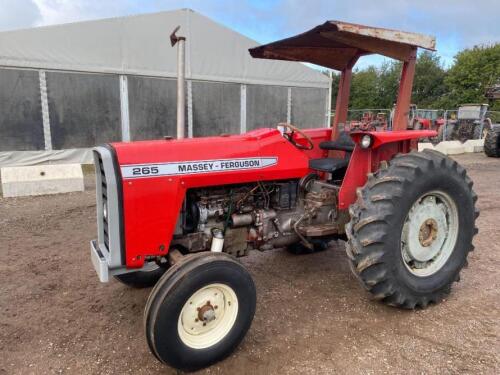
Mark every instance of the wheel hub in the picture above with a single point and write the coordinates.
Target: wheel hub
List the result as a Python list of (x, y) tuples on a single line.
[(429, 233), (208, 316), (206, 313)]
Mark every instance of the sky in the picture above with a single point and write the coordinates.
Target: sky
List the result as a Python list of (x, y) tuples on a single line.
[(456, 24)]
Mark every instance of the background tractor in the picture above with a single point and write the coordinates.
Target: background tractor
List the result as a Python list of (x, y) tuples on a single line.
[(369, 122), (177, 214), (492, 139), (427, 119), (471, 123)]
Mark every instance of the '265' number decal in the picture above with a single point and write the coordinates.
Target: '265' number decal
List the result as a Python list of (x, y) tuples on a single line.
[(144, 171)]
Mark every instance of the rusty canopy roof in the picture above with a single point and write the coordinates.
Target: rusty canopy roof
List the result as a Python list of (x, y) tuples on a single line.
[(336, 44)]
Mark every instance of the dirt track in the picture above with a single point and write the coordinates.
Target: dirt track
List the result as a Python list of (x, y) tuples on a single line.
[(312, 316)]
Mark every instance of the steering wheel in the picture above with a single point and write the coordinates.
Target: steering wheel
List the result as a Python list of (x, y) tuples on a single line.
[(289, 136)]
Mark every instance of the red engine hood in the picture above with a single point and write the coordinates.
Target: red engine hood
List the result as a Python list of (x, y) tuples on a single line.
[(255, 142)]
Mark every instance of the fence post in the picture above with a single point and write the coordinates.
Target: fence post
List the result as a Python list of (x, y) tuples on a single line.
[(124, 108), (47, 136), (329, 101), (243, 109), (190, 108), (289, 106)]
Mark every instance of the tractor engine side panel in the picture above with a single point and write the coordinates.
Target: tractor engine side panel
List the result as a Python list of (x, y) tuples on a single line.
[(152, 199)]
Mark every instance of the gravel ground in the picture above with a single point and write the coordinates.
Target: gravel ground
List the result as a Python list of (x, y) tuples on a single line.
[(312, 316)]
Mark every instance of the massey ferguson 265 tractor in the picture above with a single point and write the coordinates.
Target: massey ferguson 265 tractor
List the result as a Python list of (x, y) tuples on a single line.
[(178, 213)]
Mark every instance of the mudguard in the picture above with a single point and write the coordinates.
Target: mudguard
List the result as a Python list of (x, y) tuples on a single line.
[(385, 146)]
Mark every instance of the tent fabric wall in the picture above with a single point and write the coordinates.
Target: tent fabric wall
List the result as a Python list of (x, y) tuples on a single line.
[(152, 107), (216, 108), (309, 107), (266, 106), (84, 109), (69, 156), (21, 124)]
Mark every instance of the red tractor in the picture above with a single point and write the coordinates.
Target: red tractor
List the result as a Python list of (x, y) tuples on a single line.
[(427, 119), (369, 122), (177, 213)]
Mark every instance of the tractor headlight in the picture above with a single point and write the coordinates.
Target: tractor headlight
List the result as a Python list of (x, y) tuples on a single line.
[(105, 210), (366, 141)]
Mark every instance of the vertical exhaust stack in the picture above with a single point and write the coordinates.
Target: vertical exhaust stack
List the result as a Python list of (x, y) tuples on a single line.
[(181, 87)]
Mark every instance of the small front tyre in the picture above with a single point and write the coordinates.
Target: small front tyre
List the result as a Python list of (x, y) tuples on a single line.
[(199, 311), (411, 229)]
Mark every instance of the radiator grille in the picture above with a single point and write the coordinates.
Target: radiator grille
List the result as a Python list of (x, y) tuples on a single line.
[(104, 200)]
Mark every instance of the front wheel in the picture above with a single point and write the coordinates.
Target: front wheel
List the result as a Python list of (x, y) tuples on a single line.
[(199, 311), (412, 228)]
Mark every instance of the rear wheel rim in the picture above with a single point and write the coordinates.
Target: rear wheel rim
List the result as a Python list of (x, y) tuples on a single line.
[(429, 233), (208, 316)]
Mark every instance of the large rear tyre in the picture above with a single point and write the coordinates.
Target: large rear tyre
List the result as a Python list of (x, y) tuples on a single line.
[(142, 279), (411, 229), (199, 311), (492, 142)]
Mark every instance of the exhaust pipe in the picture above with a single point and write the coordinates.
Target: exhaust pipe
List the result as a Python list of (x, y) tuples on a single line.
[(181, 86)]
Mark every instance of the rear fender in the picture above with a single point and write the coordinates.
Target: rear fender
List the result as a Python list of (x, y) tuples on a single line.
[(385, 145)]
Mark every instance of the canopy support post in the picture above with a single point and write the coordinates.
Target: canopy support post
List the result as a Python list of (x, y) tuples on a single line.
[(342, 103), (400, 121)]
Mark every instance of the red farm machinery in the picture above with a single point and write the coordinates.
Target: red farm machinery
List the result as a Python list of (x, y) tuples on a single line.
[(177, 214)]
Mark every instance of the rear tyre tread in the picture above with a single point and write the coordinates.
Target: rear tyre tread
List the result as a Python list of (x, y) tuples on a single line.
[(370, 224), (492, 142)]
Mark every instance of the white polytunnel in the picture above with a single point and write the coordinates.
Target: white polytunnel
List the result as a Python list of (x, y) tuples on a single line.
[(69, 87)]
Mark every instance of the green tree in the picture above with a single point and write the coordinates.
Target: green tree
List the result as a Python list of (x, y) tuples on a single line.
[(428, 84), (472, 72), (388, 84), (364, 89)]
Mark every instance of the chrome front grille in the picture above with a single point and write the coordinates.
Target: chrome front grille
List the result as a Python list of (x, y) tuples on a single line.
[(104, 198), (109, 211)]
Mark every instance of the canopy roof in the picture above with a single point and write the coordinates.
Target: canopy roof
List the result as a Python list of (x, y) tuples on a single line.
[(337, 44), (140, 45)]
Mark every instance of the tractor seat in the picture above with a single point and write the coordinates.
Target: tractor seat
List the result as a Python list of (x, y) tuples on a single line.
[(336, 145), (335, 166), (343, 143), (328, 165)]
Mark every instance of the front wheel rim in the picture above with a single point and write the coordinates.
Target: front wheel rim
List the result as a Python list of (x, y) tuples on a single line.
[(429, 233), (208, 316)]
